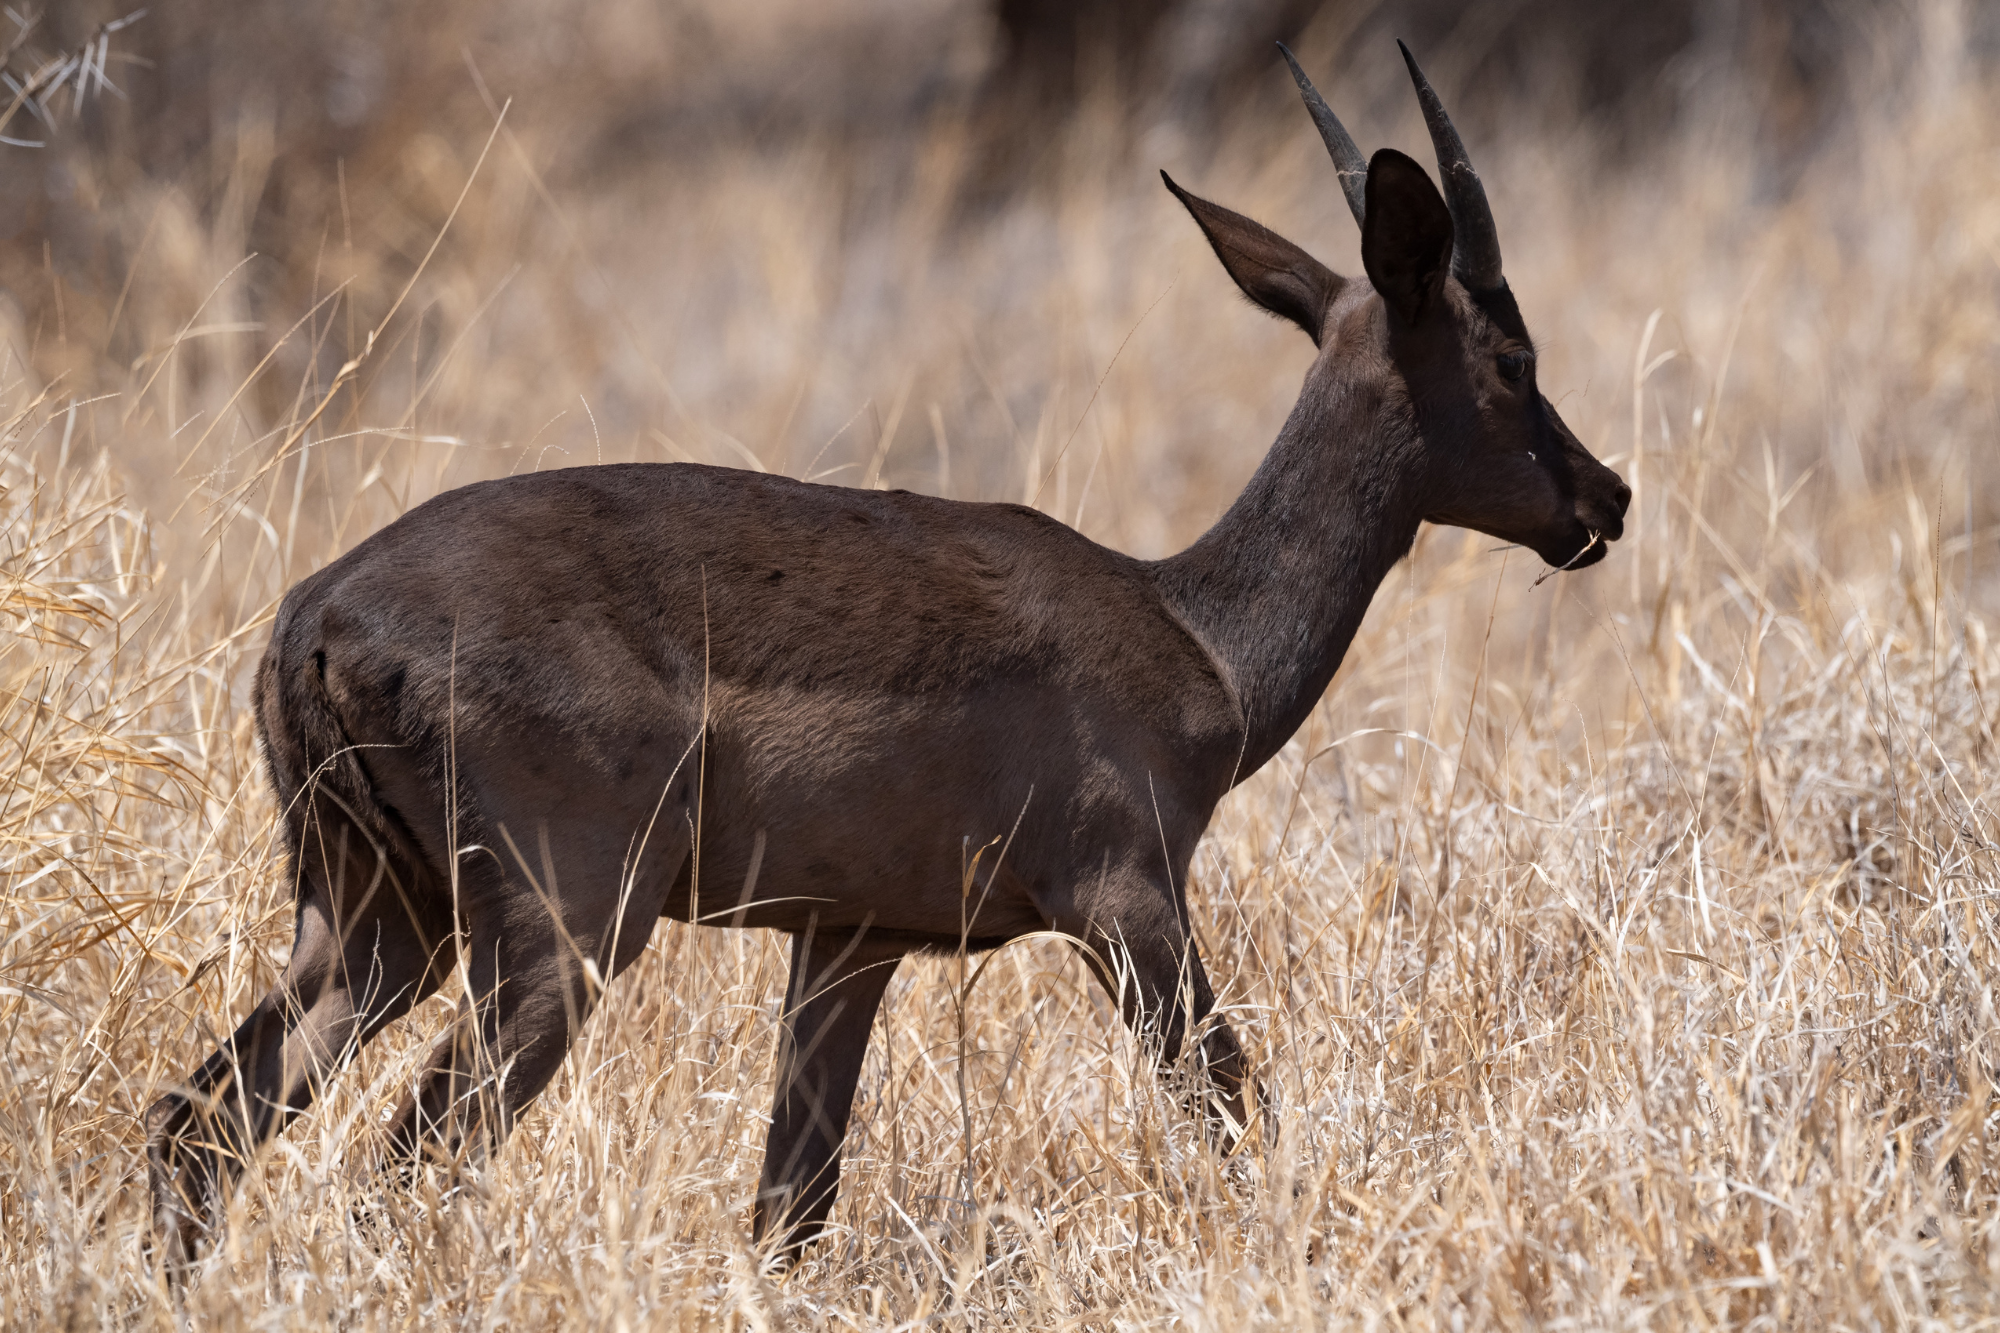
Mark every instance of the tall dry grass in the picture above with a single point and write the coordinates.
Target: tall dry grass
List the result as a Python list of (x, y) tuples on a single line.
[(1617, 950)]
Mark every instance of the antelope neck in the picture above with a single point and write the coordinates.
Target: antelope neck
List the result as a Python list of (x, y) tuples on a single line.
[(1277, 588)]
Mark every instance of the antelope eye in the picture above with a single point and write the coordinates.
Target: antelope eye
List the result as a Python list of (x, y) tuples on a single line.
[(1513, 365)]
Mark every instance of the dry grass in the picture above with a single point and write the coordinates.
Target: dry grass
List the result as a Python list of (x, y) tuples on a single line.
[(1618, 950)]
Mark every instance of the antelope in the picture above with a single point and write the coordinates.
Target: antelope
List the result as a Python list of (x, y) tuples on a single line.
[(522, 723)]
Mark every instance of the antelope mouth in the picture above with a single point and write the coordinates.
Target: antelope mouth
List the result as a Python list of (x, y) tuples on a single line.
[(1589, 547)]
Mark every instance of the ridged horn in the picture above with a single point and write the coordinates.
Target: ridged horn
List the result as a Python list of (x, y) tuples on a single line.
[(1475, 251), (1348, 163)]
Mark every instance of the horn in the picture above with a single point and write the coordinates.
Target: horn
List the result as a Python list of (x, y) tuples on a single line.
[(1348, 163), (1475, 252)]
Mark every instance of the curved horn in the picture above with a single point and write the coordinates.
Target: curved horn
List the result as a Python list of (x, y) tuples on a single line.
[(1475, 253), (1348, 163)]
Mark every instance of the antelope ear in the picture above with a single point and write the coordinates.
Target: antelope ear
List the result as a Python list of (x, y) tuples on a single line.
[(1406, 239), (1273, 273)]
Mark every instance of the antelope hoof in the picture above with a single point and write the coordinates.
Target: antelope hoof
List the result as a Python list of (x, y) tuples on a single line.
[(182, 1184)]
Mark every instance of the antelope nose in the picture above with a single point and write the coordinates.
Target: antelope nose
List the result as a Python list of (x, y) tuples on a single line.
[(1622, 497)]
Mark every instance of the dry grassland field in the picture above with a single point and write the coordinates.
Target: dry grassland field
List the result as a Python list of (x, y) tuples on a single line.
[(1618, 948)]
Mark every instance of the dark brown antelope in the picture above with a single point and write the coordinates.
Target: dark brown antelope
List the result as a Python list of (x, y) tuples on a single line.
[(522, 723)]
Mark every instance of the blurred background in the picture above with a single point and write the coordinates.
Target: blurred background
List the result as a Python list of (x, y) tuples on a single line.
[(906, 240)]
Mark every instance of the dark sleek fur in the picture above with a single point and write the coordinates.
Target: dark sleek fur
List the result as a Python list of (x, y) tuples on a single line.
[(526, 720)]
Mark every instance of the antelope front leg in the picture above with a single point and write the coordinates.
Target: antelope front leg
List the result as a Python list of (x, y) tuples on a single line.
[(1156, 977), (830, 1002)]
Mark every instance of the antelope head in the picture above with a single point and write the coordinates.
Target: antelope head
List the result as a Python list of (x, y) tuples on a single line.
[(1439, 336)]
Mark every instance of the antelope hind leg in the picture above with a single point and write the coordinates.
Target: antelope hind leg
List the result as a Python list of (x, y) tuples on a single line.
[(537, 959), (339, 989)]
